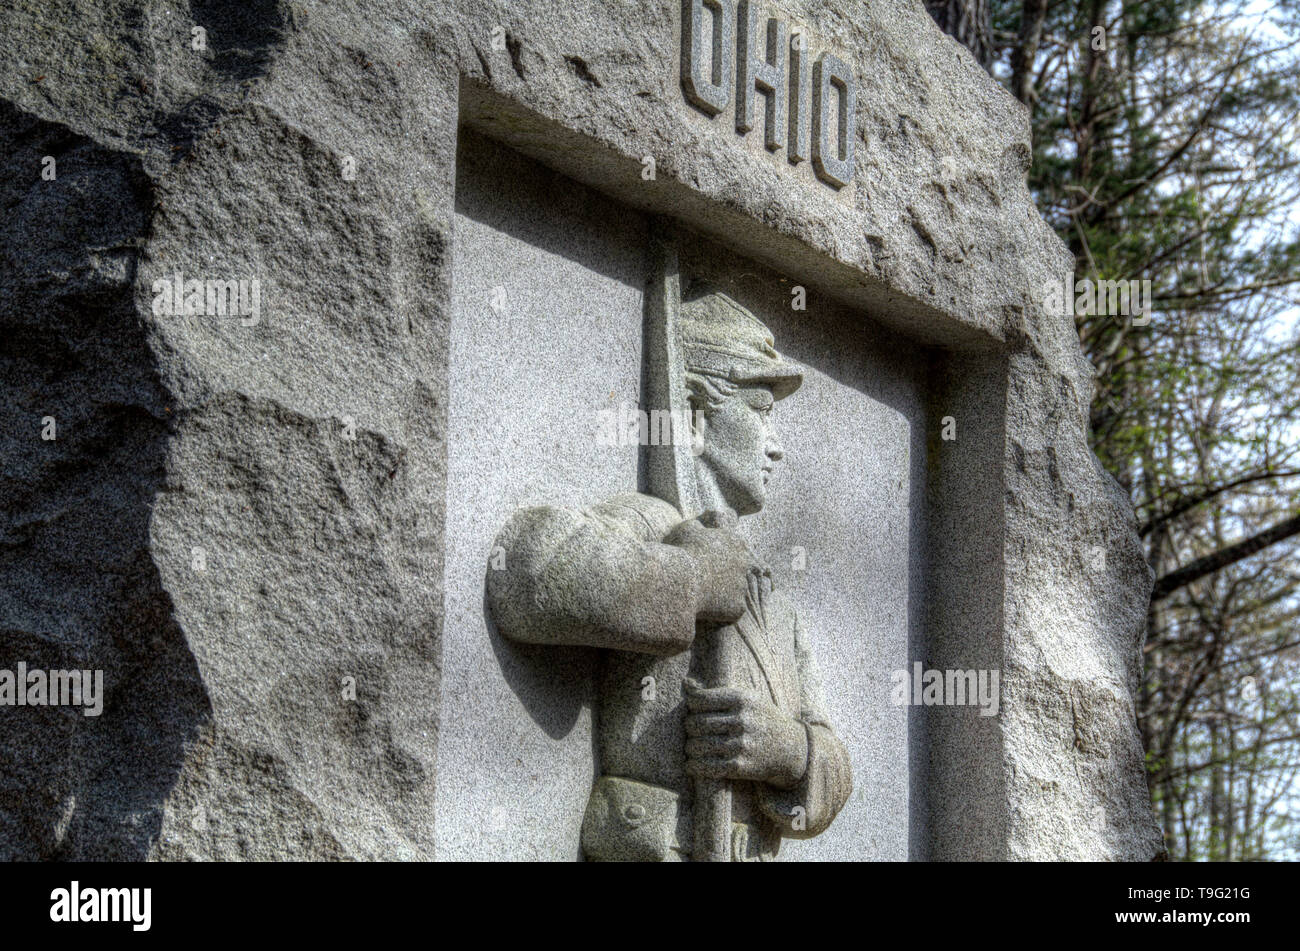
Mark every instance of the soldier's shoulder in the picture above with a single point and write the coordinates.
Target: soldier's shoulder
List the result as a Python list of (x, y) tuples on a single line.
[(650, 516)]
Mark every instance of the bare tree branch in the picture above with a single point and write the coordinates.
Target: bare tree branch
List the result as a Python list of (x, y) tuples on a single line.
[(1217, 561)]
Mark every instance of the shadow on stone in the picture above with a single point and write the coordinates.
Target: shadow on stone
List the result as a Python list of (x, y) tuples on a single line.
[(80, 587), (540, 676)]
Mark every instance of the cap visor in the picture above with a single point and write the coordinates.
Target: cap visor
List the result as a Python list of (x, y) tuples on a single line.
[(783, 380)]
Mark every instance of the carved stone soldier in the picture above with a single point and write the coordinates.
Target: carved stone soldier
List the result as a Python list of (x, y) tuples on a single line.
[(629, 575)]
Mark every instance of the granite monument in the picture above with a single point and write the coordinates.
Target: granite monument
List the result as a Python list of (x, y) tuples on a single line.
[(315, 320)]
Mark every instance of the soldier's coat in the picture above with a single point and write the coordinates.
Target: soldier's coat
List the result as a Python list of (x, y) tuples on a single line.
[(602, 577)]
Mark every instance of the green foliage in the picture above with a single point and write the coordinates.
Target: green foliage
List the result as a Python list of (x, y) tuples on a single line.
[(1173, 155)]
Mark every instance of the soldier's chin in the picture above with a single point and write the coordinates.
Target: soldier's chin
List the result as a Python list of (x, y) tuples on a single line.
[(748, 500)]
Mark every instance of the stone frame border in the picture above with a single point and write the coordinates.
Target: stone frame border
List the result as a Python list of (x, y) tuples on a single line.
[(1060, 774)]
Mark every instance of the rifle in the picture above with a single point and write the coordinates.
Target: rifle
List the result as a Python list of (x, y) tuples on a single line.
[(670, 472)]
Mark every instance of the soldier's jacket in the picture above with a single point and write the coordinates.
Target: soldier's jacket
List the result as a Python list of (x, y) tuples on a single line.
[(602, 577)]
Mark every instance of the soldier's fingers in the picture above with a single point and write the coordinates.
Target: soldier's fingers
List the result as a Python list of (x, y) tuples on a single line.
[(713, 767), (712, 747), (707, 699), (719, 518), (702, 724)]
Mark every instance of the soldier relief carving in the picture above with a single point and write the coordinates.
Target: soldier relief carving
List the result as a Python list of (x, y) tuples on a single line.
[(713, 741)]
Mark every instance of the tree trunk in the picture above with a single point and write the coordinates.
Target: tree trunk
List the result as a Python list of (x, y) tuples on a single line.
[(967, 21), (1026, 51)]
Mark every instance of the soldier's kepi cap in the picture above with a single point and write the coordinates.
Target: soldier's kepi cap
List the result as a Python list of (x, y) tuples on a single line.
[(721, 338)]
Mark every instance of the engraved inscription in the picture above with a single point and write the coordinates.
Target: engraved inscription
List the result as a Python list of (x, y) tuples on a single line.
[(809, 104)]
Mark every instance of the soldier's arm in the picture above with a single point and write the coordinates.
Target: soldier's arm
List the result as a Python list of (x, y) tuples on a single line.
[(595, 577), (827, 781)]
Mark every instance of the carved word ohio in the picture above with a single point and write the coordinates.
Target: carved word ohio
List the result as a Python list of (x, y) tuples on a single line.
[(802, 112)]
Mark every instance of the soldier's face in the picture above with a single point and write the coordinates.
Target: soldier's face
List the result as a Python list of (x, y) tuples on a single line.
[(740, 448)]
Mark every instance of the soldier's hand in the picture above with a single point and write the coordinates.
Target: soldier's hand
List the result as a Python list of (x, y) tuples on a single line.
[(734, 734), (724, 564)]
